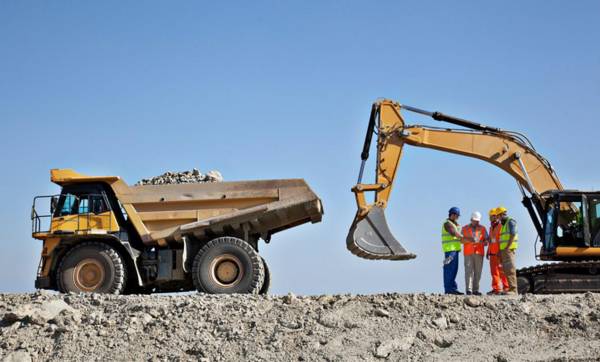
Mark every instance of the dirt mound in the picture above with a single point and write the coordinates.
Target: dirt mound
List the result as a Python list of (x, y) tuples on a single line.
[(183, 177), (200, 327)]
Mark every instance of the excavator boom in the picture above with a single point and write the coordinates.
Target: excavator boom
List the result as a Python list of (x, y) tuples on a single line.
[(370, 237)]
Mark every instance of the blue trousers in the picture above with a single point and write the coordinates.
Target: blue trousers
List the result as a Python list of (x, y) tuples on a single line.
[(450, 271)]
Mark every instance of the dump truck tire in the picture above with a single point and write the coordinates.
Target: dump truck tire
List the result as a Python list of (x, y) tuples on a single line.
[(91, 267), (228, 265), (267, 282)]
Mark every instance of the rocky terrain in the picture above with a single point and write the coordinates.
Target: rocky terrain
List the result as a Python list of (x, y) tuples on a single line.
[(183, 177), (198, 327)]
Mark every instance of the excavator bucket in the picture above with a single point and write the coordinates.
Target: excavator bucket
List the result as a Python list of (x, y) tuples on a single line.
[(370, 238)]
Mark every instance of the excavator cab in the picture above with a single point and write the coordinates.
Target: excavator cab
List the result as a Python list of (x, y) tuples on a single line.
[(572, 225)]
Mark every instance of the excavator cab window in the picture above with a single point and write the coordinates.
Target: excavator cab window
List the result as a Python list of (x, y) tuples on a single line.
[(567, 224), (550, 228), (594, 211)]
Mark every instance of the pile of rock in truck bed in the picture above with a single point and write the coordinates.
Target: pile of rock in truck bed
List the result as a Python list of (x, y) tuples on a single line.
[(200, 327), (183, 177)]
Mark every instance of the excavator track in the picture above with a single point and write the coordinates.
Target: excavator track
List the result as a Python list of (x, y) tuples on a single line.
[(561, 277)]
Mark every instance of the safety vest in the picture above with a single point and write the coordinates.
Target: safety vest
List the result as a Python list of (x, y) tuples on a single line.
[(449, 241), (505, 237), (470, 248), (495, 238)]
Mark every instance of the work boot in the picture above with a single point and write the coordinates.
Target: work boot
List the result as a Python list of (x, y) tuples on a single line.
[(494, 292), (476, 293), (456, 292)]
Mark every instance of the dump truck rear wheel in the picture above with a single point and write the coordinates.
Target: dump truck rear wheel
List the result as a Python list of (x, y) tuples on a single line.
[(91, 267), (228, 265), (267, 282)]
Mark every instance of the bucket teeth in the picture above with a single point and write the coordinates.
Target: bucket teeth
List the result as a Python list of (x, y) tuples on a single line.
[(370, 238)]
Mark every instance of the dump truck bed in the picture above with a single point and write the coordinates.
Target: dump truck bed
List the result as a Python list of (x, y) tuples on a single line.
[(169, 212)]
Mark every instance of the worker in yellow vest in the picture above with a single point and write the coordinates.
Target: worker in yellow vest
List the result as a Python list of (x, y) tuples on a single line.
[(451, 245), (508, 244)]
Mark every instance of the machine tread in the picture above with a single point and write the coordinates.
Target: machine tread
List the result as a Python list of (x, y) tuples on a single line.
[(574, 271)]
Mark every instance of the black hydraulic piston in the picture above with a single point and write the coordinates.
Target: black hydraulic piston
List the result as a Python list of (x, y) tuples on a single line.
[(439, 116)]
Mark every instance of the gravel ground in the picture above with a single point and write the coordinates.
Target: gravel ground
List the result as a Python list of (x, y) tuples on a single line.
[(199, 327)]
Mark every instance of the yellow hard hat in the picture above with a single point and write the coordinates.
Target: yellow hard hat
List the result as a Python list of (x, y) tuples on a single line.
[(493, 212), (500, 210)]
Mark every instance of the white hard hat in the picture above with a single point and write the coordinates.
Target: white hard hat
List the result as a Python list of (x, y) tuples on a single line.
[(476, 216)]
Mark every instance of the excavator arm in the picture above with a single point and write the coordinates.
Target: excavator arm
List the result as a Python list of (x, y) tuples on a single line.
[(369, 235)]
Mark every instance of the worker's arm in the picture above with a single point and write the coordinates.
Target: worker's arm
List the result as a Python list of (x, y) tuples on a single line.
[(453, 230), (486, 237), (512, 229), (488, 242)]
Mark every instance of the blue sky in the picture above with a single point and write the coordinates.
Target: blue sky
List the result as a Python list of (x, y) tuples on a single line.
[(273, 89)]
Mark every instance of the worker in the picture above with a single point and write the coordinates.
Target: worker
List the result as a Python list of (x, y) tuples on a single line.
[(499, 282), (475, 237), (451, 245), (508, 244)]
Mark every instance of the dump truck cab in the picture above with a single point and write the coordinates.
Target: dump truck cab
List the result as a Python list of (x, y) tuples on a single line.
[(80, 208), (101, 235)]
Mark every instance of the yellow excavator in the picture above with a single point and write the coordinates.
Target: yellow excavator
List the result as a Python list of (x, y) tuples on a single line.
[(567, 221)]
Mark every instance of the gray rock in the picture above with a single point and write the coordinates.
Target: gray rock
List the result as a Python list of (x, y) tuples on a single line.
[(295, 325), (397, 344), (184, 177), (329, 320), (473, 302), (290, 298), (442, 342), (454, 318), (146, 318), (214, 176), (441, 323), (17, 356), (380, 312), (39, 313)]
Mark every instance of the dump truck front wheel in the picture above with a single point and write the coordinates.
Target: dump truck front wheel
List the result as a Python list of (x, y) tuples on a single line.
[(91, 267), (228, 265)]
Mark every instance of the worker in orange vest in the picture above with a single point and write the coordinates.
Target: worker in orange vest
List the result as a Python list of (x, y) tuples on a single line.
[(475, 236), (499, 281)]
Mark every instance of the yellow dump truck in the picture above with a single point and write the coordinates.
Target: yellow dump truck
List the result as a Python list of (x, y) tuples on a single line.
[(101, 235)]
